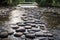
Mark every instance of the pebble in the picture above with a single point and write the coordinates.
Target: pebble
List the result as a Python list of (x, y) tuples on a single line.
[(29, 35), (3, 34), (23, 37), (21, 29), (18, 34), (35, 29), (26, 33), (10, 32), (16, 27), (28, 27), (39, 34), (20, 24)]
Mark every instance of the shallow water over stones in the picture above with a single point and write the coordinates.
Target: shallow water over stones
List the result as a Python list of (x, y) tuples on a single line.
[(17, 24)]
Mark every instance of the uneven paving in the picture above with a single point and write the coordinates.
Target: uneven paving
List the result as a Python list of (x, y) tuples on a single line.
[(25, 24)]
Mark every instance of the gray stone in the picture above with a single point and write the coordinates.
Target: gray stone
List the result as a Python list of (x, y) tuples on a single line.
[(18, 34), (15, 27), (21, 29), (23, 37), (40, 34), (4, 34), (26, 33), (28, 27), (10, 32), (30, 35), (35, 29), (20, 24)]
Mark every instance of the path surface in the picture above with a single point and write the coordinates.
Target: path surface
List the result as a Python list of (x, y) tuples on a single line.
[(27, 24)]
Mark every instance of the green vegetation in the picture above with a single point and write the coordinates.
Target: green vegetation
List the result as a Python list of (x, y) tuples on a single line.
[(48, 2), (40, 2), (15, 2)]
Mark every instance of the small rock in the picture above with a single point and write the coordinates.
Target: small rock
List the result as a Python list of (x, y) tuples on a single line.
[(28, 27), (15, 27), (20, 24), (21, 29), (18, 34), (23, 36), (26, 33), (10, 33), (39, 34), (3, 34), (30, 35), (35, 29)]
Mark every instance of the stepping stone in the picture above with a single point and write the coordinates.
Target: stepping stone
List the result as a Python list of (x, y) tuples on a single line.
[(18, 34), (24, 19), (3, 34), (35, 29), (26, 33), (30, 35), (23, 37), (10, 32), (20, 24), (24, 14), (33, 25), (14, 26), (39, 34), (28, 27), (29, 22), (31, 32), (49, 35), (21, 29)]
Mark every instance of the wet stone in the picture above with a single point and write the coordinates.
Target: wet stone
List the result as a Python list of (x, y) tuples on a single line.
[(24, 14), (21, 29), (20, 24), (26, 33), (35, 29), (39, 34), (10, 32), (6, 39), (30, 35), (23, 37), (15, 27), (18, 34), (4, 34), (28, 27), (31, 31), (49, 35)]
